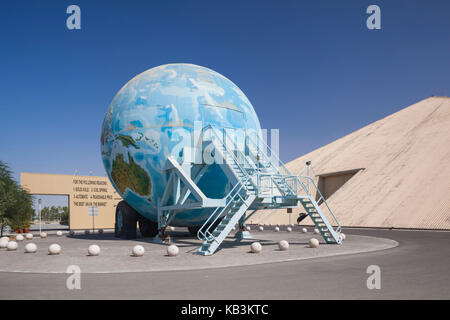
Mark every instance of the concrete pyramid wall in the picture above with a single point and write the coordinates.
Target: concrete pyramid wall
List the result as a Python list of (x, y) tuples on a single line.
[(406, 178)]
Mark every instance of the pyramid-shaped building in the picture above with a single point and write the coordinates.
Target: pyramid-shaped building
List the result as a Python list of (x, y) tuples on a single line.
[(393, 173)]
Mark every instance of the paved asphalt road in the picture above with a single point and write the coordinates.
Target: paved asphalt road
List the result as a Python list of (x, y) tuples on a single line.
[(419, 268)]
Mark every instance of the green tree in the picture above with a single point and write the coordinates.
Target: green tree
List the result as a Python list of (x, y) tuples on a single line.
[(53, 213), (16, 204), (45, 214), (22, 211), (7, 187), (64, 218)]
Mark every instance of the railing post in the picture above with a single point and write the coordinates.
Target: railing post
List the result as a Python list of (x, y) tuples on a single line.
[(308, 163)]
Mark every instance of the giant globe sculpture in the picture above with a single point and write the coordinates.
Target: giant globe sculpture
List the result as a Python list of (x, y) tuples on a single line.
[(153, 116)]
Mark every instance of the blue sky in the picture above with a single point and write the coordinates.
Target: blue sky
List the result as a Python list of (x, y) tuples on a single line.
[(310, 68)]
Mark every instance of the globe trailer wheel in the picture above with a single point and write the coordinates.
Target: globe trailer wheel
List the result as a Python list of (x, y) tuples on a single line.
[(193, 230), (147, 227), (126, 219)]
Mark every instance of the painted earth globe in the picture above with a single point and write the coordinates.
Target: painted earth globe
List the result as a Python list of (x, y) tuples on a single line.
[(156, 115)]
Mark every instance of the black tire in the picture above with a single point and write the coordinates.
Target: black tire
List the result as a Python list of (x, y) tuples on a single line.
[(147, 227), (126, 219), (194, 230)]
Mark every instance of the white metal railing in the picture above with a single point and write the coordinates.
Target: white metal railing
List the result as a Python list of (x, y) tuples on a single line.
[(266, 182), (281, 176), (319, 197), (292, 181), (279, 166), (205, 233), (238, 158)]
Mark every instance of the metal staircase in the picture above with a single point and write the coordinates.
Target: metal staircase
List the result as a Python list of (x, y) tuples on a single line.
[(283, 179), (237, 204), (238, 200), (260, 181), (317, 216)]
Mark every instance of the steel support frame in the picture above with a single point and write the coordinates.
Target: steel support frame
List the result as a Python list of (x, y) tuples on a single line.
[(182, 183)]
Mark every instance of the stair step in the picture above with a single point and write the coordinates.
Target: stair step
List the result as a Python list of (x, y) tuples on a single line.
[(219, 234)]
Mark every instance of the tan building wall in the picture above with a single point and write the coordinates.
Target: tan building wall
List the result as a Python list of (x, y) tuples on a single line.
[(406, 178), (82, 192)]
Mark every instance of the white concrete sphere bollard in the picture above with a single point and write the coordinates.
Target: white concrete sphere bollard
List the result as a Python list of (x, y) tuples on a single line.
[(87, 231), (247, 228), (304, 230), (283, 245), (43, 235), (172, 250), (19, 237), (288, 229), (5, 238), (138, 251), (255, 247), (313, 243), (59, 233), (261, 228), (100, 231), (31, 247), (316, 231), (94, 250), (12, 245), (54, 249), (277, 229), (3, 243), (234, 228), (29, 236), (343, 236), (71, 233)]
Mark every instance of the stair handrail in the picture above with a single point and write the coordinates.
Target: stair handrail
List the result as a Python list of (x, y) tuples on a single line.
[(203, 235), (212, 127), (206, 235), (281, 165), (281, 168), (321, 197), (339, 228)]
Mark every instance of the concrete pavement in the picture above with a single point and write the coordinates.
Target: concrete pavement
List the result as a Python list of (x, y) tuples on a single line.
[(116, 256), (416, 269)]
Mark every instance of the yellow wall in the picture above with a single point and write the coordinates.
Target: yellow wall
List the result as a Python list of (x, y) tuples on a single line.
[(82, 191)]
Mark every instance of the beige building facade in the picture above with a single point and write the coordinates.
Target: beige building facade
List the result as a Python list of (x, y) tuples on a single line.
[(393, 173), (86, 195)]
